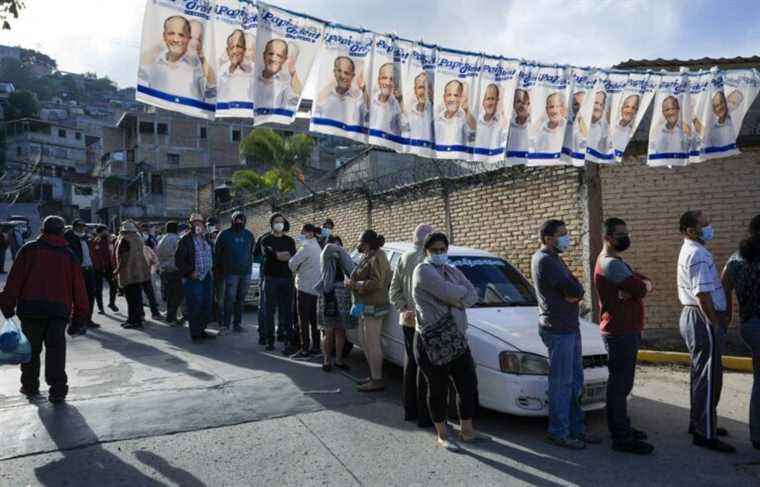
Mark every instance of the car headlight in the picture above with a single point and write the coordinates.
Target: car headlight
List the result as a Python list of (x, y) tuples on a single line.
[(523, 363)]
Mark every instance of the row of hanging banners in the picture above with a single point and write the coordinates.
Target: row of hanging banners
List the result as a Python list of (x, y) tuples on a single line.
[(246, 59)]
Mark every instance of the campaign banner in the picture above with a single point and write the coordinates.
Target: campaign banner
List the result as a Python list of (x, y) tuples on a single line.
[(713, 131), (235, 40), (454, 101), (286, 45), (418, 87), (548, 88), (387, 121), (627, 109), (671, 131), (518, 142), (176, 68), (496, 87), (740, 87), (340, 104), (578, 115)]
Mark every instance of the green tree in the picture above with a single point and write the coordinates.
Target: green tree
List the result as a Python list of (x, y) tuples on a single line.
[(8, 9), (22, 104), (284, 158)]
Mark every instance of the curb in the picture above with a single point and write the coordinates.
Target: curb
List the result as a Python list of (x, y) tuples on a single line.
[(742, 364)]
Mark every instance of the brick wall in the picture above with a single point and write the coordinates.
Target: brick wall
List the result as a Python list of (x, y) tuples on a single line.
[(651, 201)]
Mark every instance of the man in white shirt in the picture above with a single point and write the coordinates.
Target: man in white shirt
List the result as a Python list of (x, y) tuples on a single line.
[(623, 130), (453, 122), (490, 133), (385, 110), (175, 71), (552, 132), (306, 267), (274, 87), (343, 102), (671, 138), (236, 77), (518, 140), (703, 327), (420, 114), (722, 132), (597, 134)]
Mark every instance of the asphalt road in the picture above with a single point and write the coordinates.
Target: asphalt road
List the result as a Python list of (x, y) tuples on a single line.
[(151, 408)]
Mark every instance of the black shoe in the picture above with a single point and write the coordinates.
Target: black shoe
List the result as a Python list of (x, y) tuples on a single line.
[(633, 446), (29, 393), (721, 431), (327, 367), (288, 350), (713, 444), (299, 355), (101, 312), (206, 336), (157, 316), (269, 347), (238, 329), (638, 434), (132, 326), (756, 445), (113, 308)]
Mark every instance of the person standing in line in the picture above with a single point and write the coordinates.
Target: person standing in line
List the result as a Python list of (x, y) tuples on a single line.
[(276, 249), (703, 328), (45, 288), (415, 387), (621, 294), (742, 275), (148, 231), (80, 245), (172, 281), (195, 260), (15, 240), (369, 283), (148, 288), (131, 270), (558, 292), (102, 249), (305, 265), (233, 255), (327, 231)]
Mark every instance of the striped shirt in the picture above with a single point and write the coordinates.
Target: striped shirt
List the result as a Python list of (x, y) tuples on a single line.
[(203, 257), (697, 274)]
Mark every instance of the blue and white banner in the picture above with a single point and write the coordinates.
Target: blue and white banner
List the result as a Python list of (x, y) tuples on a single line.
[(234, 31), (456, 79), (418, 87), (714, 134), (627, 109), (286, 45), (577, 128), (548, 88), (741, 87), (387, 122), (671, 132), (341, 101), (176, 68)]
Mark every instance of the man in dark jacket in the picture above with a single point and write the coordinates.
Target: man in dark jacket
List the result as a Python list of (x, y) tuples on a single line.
[(46, 289), (80, 245), (194, 260), (233, 256)]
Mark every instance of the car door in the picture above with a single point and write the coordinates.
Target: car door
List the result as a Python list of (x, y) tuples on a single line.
[(392, 338)]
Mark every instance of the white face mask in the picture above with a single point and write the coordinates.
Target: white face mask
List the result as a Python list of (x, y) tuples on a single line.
[(79, 234), (278, 227)]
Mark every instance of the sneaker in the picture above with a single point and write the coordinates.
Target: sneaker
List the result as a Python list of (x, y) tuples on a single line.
[(223, 331), (56, 399), (132, 326), (113, 308), (101, 312), (713, 444), (588, 438), (300, 355), (92, 324), (638, 434), (570, 443), (636, 447), (206, 336)]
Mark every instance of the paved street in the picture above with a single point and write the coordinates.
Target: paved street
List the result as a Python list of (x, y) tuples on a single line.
[(151, 408)]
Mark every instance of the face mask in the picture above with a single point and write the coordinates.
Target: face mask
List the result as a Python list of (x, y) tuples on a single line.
[(439, 259), (326, 232), (563, 243), (79, 234), (622, 243), (198, 229), (237, 224), (707, 233), (278, 227)]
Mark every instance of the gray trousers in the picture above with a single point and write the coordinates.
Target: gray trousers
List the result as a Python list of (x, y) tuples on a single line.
[(705, 346)]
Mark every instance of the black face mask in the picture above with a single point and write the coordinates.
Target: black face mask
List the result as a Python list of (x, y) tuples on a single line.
[(238, 225), (622, 243)]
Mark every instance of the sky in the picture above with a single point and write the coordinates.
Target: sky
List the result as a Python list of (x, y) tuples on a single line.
[(103, 36)]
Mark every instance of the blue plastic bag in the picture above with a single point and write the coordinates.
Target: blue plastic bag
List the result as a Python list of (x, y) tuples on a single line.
[(357, 310), (21, 353), (9, 336)]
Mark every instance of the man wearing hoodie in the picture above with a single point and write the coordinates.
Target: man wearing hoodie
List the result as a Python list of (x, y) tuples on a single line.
[(276, 249), (233, 256), (415, 387), (46, 289), (305, 265), (80, 245)]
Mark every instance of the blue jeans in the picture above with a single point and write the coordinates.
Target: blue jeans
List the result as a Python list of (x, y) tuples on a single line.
[(750, 331), (278, 292), (621, 351), (235, 289), (198, 298), (565, 383)]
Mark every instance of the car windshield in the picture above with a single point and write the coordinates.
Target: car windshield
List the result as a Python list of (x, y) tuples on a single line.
[(497, 282)]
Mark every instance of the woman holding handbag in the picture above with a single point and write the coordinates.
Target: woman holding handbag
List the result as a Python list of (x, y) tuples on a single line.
[(441, 295)]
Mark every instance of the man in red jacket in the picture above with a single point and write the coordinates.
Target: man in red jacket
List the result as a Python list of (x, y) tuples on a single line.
[(46, 289), (101, 248), (621, 292)]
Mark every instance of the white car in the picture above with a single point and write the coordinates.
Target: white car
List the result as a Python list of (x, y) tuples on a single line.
[(253, 296), (510, 358)]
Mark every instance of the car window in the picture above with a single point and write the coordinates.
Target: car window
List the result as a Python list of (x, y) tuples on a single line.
[(497, 282), (393, 258)]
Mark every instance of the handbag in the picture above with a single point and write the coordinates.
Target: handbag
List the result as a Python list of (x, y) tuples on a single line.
[(21, 353), (444, 341)]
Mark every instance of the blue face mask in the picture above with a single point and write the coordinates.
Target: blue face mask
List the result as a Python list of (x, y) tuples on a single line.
[(707, 233), (326, 232), (563, 243), (439, 259)]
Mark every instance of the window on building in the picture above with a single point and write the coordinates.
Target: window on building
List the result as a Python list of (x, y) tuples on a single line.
[(62, 133), (204, 134), (78, 135), (43, 192), (146, 127), (236, 135), (172, 158), (163, 129), (156, 184)]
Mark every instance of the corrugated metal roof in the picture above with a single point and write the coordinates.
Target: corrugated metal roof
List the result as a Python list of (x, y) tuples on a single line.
[(702, 63)]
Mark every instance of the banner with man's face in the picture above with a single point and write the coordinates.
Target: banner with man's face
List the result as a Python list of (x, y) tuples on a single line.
[(741, 87), (671, 132), (417, 85), (548, 88), (579, 123), (387, 121), (455, 103), (493, 108), (177, 69), (713, 130), (627, 108), (286, 47), (340, 103), (235, 41)]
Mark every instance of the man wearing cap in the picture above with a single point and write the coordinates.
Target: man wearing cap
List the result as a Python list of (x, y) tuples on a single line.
[(233, 255), (46, 289), (194, 260), (132, 271), (80, 245)]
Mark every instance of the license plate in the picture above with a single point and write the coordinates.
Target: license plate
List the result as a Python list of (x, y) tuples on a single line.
[(594, 393)]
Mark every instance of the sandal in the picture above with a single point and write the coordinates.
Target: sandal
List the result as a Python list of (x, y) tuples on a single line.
[(475, 438), (342, 366), (327, 367), (371, 386)]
